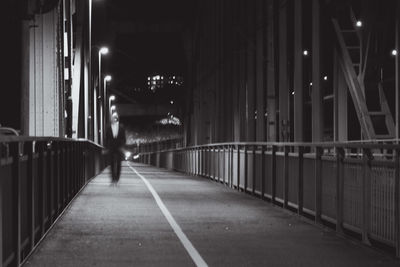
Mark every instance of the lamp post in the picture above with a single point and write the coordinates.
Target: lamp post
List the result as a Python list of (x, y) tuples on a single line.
[(102, 51), (107, 78)]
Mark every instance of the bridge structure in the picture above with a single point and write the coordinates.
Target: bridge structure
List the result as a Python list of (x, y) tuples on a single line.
[(289, 152)]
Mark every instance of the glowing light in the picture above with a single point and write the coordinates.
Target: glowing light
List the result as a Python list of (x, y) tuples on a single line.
[(112, 98), (305, 52), (112, 108), (325, 78), (293, 93), (127, 154), (359, 23), (172, 102), (107, 78), (136, 156), (310, 84), (103, 50), (170, 120), (394, 52)]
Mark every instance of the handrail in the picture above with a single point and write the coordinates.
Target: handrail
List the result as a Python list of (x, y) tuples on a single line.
[(21, 138), (372, 144)]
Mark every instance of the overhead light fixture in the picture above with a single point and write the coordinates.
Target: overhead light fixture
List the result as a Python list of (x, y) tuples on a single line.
[(103, 50)]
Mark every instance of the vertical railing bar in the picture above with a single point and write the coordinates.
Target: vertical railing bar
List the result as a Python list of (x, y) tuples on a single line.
[(286, 177), (238, 167), (50, 180), (232, 150), (43, 190), (397, 201), (366, 194), (1, 210), (253, 188), (318, 184), (273, 176), (16, 181), (31, 195), (262, 172), (245, 169), (300, 181), (339, 189)]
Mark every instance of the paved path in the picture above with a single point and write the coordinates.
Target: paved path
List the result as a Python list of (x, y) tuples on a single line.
[(125, 226)]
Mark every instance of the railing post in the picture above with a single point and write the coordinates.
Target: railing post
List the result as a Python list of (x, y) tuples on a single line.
[(318, 184), (1, 209), (339, 189), (262, 172), (16, 209), (253, 189), (397, 201), (245, 169), (231, 166), (42, 190), (286, 177), (223, 165), (300, 181), (50, 180), (31, 194), (273, 176), (238, 167), (366, 194)]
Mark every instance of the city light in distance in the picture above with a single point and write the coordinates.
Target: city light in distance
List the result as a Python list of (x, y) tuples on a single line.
[(394, 52), (305, 52), (359, 23)]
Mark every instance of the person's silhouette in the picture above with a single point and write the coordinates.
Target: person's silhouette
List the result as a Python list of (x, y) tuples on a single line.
[(115, 140)]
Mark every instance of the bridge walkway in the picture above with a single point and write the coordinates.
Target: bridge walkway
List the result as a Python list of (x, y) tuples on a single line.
[(156, 217)]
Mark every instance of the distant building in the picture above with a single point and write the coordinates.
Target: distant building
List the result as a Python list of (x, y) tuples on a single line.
[(158, 81)]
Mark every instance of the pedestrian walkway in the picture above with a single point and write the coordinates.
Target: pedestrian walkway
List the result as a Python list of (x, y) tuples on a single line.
[(157, 217)]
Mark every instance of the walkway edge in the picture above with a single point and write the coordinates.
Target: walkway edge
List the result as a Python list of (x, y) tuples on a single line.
[(58, 218)]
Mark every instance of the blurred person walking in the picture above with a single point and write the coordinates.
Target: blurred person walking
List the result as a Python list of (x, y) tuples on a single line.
[(115, 141)]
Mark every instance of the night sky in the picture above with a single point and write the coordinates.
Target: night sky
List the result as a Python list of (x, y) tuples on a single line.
[(136, 55)]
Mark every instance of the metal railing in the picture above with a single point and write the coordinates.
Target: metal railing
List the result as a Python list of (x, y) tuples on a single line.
[(38, 179), (351, 186), (160, 145)]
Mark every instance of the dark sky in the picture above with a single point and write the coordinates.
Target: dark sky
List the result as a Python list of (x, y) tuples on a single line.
[(135, 56)]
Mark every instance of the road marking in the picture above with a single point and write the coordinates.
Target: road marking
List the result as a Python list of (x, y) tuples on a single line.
[(194, 254)]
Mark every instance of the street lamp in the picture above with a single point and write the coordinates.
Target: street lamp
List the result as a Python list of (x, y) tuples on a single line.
[(102, 51), (107, 78)]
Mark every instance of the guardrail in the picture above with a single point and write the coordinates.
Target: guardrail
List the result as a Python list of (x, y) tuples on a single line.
[(160, 145), (38, 179), (353, 187)]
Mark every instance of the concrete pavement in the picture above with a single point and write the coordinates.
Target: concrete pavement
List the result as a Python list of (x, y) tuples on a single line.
[(125, 226)]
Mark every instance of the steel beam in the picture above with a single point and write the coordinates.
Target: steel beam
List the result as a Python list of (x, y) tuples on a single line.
[(317, 91), (298, 73)]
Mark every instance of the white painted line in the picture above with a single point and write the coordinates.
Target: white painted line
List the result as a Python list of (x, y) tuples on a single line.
[(194, 254)]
